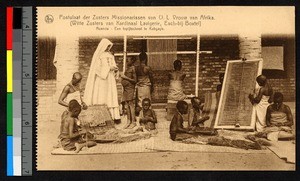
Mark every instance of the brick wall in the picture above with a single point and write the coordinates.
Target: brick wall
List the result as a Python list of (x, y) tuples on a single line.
[(46, 87), (211, 65), (46, 103), (285, 84)]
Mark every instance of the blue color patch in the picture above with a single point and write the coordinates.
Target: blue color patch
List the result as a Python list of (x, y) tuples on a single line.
[(10, 161)]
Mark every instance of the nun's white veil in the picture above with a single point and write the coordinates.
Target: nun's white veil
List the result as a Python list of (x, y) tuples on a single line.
[(89, 86)]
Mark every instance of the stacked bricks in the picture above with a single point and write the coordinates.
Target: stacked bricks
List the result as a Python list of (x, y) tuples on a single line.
[(45, 103), (46, 88), (250, 47), (211, 65), (286, 85)]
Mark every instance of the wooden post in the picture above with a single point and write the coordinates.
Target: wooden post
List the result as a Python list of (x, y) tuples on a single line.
[(125, 53), (197, 64)]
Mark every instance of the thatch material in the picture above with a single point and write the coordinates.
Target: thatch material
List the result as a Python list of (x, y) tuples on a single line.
[(96, 115), (123, 136)]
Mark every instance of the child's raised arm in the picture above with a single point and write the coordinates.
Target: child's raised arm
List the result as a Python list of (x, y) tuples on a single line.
[(63, 95), (256, 99)]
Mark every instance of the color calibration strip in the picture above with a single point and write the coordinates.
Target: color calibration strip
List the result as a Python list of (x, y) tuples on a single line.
[(19, 91), (17, 83), (9, 67), (26, 75)]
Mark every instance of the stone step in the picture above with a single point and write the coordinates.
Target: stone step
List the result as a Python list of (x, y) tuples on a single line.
[(159, 105)]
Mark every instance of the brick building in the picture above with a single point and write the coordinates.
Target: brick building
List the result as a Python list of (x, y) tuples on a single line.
[(76, 55)]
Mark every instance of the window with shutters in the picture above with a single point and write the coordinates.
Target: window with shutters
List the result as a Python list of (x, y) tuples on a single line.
[(46, 51)]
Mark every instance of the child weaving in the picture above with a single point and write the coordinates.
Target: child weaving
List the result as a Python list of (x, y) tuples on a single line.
[(197, 124), (198, 120), (179, 133), (147, 115), (70, 137)]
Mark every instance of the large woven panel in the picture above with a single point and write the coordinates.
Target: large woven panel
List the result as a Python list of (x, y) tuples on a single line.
[(164, 54), (239, 82)]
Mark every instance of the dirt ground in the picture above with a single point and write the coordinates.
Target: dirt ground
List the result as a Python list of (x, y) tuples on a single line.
[(48, 131)]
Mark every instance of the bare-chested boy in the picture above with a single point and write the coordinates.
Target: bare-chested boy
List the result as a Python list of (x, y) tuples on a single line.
[(144, 84), (70, 137), (176, 126), (128, 82), (147, 116), (179, 133), (261, 101), (72, 91)]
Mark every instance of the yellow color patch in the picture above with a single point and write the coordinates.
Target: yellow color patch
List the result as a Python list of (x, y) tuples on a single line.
[(9, 66)]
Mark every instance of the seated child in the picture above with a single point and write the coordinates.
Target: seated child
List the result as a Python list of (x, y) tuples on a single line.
[(198, 120), (179, 133), (147, 115), (70, 137), (279, 120), (176, 126)]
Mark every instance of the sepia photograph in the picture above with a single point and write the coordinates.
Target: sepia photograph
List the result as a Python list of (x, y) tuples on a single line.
[(166, 88)]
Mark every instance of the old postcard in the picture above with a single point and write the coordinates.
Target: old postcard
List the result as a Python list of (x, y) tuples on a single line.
[(166, 88)]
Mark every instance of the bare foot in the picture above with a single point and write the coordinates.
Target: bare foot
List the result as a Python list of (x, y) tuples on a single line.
[(78, 147), (132, 125), (58, 145), (126, 126)]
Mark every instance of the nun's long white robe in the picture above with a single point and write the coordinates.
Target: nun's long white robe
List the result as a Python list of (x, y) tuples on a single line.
[(101, 87)]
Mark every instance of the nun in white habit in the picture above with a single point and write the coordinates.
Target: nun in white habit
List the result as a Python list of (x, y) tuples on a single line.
[(101, 87)]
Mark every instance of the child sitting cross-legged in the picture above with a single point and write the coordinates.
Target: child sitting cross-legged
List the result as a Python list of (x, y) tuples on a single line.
[(198, 119), (147, 116), (279, 120), (179, 133), (70, 136)]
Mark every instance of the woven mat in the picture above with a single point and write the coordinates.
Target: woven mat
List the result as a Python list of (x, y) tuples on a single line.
[(285, 150), (131, 147), (162, 142)]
